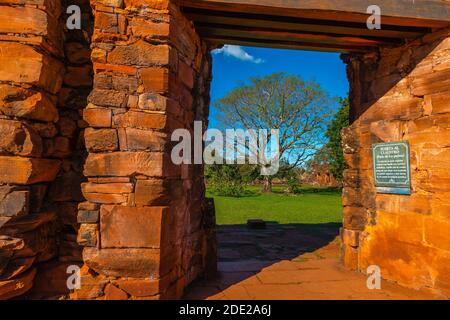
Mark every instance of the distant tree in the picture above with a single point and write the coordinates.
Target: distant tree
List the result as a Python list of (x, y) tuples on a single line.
[(332, 152), (299, 109)]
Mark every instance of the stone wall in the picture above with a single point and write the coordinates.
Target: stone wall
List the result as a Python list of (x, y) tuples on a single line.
[(45, 78), (146, 227), (400, 94)]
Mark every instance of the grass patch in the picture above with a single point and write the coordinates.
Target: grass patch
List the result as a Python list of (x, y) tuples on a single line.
[(312, 206)]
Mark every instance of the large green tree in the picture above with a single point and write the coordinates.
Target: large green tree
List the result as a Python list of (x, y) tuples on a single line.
[(299, 109)]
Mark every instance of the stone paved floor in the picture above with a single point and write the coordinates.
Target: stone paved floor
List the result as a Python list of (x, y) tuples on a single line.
[(288, 262)]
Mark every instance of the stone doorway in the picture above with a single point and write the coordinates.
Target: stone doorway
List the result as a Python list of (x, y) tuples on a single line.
[(151, 66)]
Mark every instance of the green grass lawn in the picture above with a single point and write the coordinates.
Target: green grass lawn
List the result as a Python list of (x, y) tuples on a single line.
[(310, 207)]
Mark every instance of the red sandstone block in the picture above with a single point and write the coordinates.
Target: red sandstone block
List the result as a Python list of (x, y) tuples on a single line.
[(109, 179), (106, 198), (350, 257), (98, 57), (152, 192), (355, 218), (14, 204), (439, 102), (433, 82), (124, 164), (140, 120), (20, 139), (98, 140), (145, 28), (107, 187), (27, 170), (153, 102), (28, 20), (155, 79), (114, 68), (17, 286), (140, 53), (131, 227), (106, 22), (108, 3), (136, 263), (114, 293), (141, 140), (97, 117), (350, 237), (145, 287), (105, 37), (22, 103), (109, 98), (23, 64), (88, 235), (154, 4)]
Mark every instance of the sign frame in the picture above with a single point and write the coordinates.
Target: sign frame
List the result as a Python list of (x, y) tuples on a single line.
[(401, 188)]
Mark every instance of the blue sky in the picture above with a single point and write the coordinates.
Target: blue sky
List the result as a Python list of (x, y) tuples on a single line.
[(233, 65)]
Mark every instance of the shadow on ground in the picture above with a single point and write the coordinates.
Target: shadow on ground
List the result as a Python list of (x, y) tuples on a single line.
[(243, 252)]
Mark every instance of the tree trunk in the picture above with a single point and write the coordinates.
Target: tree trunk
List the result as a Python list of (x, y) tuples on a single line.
[(267, 185)]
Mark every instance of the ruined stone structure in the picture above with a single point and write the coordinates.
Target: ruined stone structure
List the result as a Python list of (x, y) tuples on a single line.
[(86, 117), (401, 94)]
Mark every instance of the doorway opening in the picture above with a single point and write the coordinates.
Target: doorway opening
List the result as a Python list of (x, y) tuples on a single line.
[(266, 222)]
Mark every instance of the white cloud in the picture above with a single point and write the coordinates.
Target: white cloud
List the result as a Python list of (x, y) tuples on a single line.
[(238, 53)]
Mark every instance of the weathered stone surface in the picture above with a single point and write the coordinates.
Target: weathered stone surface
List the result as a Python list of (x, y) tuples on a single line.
[(88, 206), (88, 216), (27, 170), (16, 287), (114, 293), (28, 223), (106, 22), (431, 83), (139, 287), (107, 98), (101, 140), (140, 53), (19, 139), (156, 192), (141, 140), (149, 29), (350, 257), (22, 103), (98, 117), (15, 204), (152, 102), (106, 198), (350, 237), (155, 79), (124, 164), (16, 267), (127, 227), (88, 235), (92, 286), (136, 263), (23, 64), (107, 187), (140, 120)]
